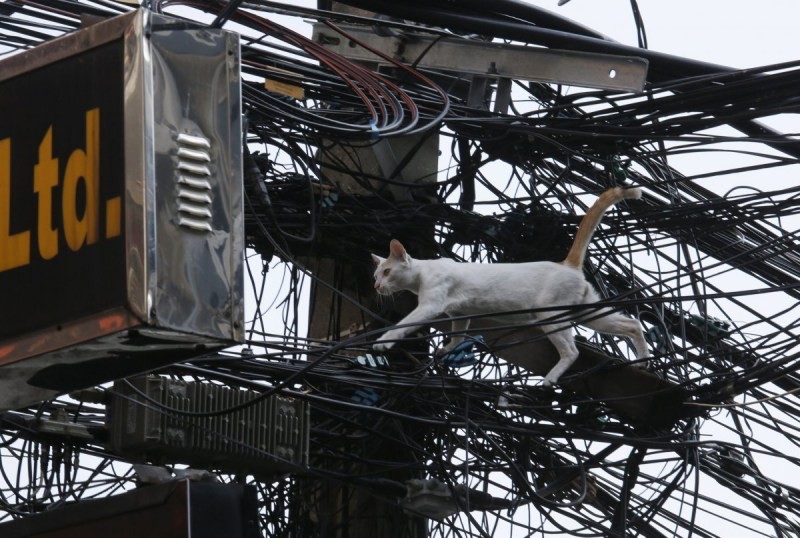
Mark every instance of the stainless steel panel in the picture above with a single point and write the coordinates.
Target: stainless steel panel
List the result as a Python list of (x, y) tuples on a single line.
[(197, 183), (138, 96)]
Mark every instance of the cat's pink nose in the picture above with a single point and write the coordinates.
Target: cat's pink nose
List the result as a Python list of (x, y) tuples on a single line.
[(377, 285)]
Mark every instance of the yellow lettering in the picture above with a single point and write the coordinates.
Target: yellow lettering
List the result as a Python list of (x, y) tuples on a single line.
[(113, 217), (83, 165), (45, 177), (15, 249)]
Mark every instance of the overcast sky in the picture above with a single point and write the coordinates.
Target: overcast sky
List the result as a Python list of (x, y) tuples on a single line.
[(737, 33)]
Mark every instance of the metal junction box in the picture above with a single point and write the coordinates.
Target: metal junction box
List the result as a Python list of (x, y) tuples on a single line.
[(121, 226), (164, 420)]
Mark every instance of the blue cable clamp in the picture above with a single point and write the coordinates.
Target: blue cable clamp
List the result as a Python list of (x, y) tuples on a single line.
[(713, 326), (330, 200), (463, 354), (658, 339), (365, 397)]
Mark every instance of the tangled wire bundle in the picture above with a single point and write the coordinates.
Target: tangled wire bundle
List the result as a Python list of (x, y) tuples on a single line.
[(707, 260)]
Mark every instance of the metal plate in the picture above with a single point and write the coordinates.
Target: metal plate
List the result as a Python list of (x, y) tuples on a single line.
[(604, 71)]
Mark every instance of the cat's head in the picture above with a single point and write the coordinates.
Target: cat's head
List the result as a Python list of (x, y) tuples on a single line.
[(394, 273)]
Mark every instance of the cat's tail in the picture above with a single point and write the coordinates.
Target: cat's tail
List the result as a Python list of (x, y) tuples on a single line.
[(588, 225)]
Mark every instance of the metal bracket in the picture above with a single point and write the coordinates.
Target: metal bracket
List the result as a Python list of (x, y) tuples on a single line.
[(591, 70)]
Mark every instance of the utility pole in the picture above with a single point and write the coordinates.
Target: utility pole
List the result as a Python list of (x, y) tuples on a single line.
[(338, 509)]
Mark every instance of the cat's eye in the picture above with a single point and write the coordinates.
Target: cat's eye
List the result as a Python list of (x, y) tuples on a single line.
[(386, 272)]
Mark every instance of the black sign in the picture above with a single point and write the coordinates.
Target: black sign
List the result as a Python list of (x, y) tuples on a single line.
[(62, 247)]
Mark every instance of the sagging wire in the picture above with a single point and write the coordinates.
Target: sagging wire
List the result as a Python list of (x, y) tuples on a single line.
[(562, 156)]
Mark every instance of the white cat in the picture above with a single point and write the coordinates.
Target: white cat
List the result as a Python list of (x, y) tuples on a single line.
[(448, 287)]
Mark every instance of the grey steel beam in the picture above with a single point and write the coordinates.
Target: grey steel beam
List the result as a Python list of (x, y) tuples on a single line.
[(592, 70)]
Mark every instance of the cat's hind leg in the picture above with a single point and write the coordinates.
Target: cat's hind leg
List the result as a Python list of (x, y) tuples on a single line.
[(562, 338), (458, 328), (618, 324)]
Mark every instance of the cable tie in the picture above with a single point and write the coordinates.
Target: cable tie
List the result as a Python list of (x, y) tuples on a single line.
[(376, 134), (373, 361)]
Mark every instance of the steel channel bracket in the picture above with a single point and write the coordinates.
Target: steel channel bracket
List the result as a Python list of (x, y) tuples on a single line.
[(591, 70)]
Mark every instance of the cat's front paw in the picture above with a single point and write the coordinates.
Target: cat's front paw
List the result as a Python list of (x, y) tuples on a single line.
[(382, 346), (548, 383), (387, 340)]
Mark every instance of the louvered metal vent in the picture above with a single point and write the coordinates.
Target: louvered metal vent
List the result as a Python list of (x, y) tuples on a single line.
[(194, 185), (271, 435)]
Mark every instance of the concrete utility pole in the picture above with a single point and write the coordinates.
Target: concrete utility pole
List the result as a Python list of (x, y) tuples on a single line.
[(338, 509), (341, 510)]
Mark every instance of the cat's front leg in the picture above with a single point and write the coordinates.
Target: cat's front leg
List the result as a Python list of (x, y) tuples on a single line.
[(387, 340), (406, 326)]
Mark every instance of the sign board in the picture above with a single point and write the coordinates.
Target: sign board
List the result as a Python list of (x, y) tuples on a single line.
[(62, 251), (121, 226)]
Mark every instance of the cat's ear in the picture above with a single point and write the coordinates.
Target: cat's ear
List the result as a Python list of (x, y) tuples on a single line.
[(397, 250), (377, 259)]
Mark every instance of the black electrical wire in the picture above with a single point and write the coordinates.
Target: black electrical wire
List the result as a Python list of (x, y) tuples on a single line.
[(671, 260)]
